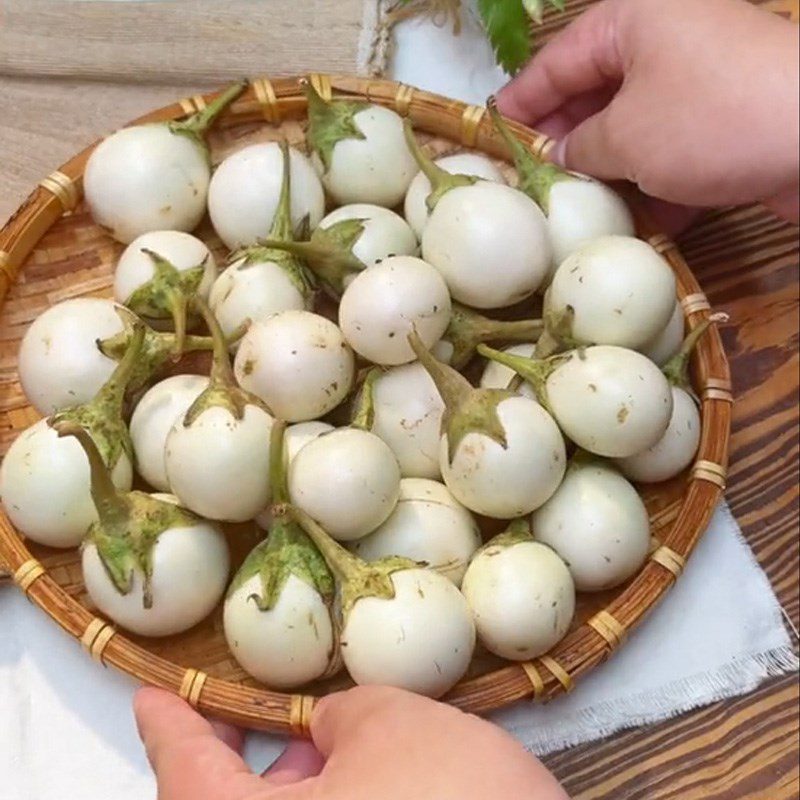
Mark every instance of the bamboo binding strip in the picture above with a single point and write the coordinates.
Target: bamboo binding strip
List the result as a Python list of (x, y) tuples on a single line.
[(209, 686)]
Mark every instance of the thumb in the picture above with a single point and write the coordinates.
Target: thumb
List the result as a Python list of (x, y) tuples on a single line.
[(189, 760)]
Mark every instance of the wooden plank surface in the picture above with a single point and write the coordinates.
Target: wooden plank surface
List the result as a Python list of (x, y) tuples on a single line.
[(746, 748)]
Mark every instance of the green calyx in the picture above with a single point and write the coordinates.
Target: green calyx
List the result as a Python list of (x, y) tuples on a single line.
[(196, 126), (441, 181), (167, 294), (280, 232), (676, 369), (222, 390), (518, 530), (329, 122), (467, 329), (467, 410), (158, 347), (287, 550), (128, 524), (102, 415), (557, 335), (534, 370), (536, 177), (356, 578), (364, 415), (328, 253)]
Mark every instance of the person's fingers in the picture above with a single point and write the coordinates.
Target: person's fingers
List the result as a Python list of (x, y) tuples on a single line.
[(338, 716), (670, 218), (575, 111), (230, 734), (189, 760), (298, 761), (583, 57), (595, 147)]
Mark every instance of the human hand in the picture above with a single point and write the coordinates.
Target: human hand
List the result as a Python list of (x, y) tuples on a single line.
[(695, 101), (368, 742)]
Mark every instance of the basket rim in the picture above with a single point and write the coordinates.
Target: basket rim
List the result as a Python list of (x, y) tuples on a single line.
[(273, 100)]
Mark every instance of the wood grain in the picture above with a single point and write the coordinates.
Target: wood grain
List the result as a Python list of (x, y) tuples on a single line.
[(747, 748)]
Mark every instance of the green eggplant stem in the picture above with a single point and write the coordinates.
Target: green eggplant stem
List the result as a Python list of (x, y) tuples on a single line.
[(364, 417), (201, 121), (453, 387), (676, 369), (345, 565), (221, 370), (108, 500), (277, 462), (441, 181)]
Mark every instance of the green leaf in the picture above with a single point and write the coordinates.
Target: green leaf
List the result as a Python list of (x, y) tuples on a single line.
[(508, 27)]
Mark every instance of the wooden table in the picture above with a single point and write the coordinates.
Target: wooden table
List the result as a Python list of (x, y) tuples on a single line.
[(747, 263)]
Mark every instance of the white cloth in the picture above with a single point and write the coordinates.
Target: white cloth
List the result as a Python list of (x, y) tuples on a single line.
[(66, 729)]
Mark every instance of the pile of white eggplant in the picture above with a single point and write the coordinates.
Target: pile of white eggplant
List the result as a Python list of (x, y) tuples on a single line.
[(371, 557)]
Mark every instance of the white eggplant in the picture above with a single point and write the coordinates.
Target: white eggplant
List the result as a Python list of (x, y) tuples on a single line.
[(427, 525), (297, 362), (59, 361), (501, 455), (614, 290), (153, 177), (359, 150), (158, 274), (578, 208), (385, 233), (521, 594), (407, 415), (217, 455), (348, 480), (402, 625), (148, 564), (609, 400), (278, 619), (383, 304), (474, 164), (245, 193), (488, 240), (597, 523), (155, 414)]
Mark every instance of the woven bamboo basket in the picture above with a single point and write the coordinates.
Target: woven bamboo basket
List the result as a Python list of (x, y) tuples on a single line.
[(51, 250)]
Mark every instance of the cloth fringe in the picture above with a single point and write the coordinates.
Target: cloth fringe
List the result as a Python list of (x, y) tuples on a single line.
[(731, 680)]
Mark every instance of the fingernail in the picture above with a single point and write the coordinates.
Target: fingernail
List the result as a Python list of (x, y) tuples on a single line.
[(558, 153)]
